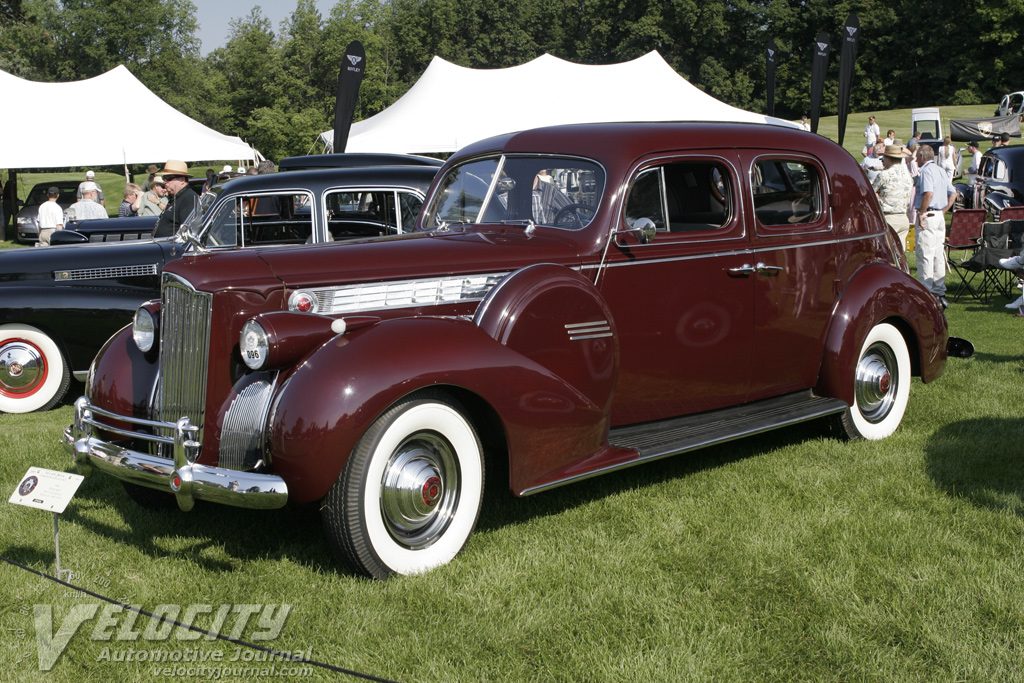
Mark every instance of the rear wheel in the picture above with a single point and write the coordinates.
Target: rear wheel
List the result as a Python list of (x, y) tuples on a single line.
[(409, 495), (881, 386), (33, 372)]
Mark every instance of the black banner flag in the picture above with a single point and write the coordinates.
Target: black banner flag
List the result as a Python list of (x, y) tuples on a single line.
[(847, 56), (819, 68), (770, 76), (350, 77)]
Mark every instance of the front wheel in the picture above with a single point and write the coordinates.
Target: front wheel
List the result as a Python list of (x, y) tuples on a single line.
[(409, 495), (33, 372), (881, 386)]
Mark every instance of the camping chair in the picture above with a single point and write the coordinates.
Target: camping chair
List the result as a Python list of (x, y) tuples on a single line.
[(1012, 213), (998, 241), (963, 241)]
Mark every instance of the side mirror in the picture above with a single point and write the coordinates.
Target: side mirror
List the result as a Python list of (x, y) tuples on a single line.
[(644, 228)]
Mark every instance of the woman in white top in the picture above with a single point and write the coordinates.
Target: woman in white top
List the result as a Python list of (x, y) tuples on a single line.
[(946, 158)]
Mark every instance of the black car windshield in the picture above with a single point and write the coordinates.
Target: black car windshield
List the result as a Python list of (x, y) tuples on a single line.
[(539, 190)]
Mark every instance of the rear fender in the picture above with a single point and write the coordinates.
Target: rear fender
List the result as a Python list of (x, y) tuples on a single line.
[(876, 294), (326, 404)]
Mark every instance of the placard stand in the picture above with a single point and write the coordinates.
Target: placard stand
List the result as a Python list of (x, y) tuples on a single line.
[(56, 544), (48, 490)]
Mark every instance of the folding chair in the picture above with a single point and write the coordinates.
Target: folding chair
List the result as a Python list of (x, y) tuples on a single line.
[(964, 240), (1011, 213), (996, 243)]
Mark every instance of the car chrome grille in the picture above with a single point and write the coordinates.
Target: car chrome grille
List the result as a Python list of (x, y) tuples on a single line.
[(113, 272), (184, 350), (405, 293)]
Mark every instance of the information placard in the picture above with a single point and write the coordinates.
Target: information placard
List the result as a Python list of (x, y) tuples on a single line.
[(46, 489)]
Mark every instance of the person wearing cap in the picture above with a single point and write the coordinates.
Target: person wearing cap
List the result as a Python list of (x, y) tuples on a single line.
[(893, 186), (87, 208), (90, 177), (154, 201), (935, 196), (183, 201), (151, 170), (51, 216), (871, 132)]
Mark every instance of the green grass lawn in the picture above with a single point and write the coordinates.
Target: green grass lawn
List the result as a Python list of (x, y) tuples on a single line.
[(789, 556)]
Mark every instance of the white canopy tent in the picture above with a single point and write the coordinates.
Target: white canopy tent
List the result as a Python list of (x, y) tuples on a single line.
[(452, 106), (108, 120)]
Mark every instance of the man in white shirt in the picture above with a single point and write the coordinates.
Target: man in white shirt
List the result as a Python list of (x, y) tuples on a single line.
[(50, 218), (88, 208), (872, 132), (972, 170)]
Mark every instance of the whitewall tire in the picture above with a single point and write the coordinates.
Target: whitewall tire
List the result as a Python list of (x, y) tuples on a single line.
[(409, 495), (33, 372), (881, 386)]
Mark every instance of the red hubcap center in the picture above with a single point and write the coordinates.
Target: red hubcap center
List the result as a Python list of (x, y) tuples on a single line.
[(884, 382), (431, 491)]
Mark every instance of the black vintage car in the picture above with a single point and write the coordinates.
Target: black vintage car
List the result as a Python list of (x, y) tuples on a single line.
[(1001, 177), (58, 305)]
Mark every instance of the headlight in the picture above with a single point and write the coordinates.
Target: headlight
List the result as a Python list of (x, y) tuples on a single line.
[(25, 220), (253, 344), (144, 330)]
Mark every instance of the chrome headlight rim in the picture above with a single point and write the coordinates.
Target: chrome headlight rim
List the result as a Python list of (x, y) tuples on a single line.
[(144, 331), (254, 344)]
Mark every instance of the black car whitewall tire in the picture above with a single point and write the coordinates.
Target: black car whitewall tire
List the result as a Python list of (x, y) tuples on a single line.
[(33, 372), (409, 496), (881, 385)]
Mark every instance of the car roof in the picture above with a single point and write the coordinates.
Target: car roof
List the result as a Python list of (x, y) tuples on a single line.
[(1009, 153), (352, 160), (415, 176)]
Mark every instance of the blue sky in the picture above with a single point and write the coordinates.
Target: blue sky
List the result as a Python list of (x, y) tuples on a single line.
[(213, 16)]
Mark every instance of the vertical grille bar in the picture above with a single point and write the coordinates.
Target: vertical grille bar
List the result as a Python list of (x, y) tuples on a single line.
[(184, 350)]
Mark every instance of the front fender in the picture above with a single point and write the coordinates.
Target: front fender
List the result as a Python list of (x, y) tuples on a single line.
[(122, 379), (879, 293), (323, 408), (79, 319)]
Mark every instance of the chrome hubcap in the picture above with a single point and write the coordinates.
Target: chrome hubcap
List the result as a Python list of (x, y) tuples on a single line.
[(876, 386), (22, 368), (419, 490)]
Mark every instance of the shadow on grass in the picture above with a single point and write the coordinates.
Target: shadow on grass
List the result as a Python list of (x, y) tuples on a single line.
[(207, 533), (980, 460)]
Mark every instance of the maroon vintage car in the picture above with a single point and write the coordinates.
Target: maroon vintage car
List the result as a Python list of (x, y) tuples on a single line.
[(578, 300)]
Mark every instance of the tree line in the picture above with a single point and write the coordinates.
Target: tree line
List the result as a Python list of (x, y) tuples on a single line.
[(274, 86)]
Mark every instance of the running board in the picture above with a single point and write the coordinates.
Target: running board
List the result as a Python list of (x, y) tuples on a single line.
[(637, 444), (654, 440)]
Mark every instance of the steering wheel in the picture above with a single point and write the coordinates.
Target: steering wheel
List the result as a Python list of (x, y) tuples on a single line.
[(573, 211)]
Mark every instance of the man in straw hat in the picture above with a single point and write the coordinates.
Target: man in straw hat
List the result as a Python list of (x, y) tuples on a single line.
[(893, 187), (182, 203)]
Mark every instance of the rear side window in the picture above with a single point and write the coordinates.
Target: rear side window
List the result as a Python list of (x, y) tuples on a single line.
[(371, 213), (684, 196), (786, 192)]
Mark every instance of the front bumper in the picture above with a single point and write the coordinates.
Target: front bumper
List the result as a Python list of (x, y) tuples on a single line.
[(186, 479)]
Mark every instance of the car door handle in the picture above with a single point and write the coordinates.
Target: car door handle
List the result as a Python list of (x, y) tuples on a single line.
[(746, 270), (770, 271)]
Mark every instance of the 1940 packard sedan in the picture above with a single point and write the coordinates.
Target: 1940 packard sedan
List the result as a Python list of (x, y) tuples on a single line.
[(576, 300)]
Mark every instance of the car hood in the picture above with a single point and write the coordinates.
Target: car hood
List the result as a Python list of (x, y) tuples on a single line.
[(90, 261), (420, 255)]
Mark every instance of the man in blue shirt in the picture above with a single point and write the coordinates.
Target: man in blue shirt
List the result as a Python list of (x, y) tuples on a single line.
[(935, 196)]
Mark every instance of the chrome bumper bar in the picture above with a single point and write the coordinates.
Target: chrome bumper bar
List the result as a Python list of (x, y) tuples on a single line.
[(183, 477)]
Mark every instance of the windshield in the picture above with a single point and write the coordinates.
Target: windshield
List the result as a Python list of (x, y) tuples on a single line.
[(543, 190), (194, 223)]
